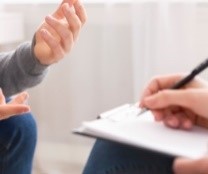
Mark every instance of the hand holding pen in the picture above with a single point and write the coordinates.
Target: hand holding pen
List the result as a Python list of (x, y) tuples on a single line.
[(179, 108)]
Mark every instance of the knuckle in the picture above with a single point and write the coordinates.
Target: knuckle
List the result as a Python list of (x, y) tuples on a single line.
[(66, 35), (164, 95), (77, 25), (84, 20), (54, 44)]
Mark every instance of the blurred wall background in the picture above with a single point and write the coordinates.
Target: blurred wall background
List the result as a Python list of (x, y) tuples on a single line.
[(120, 48)]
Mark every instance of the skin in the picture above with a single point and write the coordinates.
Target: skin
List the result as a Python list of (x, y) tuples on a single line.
[(54, 38), (16, 106), (58, 33), (179, 109)]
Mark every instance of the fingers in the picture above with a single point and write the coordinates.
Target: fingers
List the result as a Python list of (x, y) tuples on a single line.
[(66, 36), (175, 120), (75, 16), (78, 7), (57, 51), (166, 82), (159, 83), (162, 82), (73, 20), (166, 98), (2, 98), (184, 166), (188, 166), (201, 121), (15, 107), (58, 13), (160, 114), (178, 121), (161, 100), (191, 101), (20, 98), (80, 11), (57, 34), (67, 27), (9, 110)]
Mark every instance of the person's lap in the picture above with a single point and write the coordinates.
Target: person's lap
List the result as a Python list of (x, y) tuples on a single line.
[(18, 136), (113, 158)]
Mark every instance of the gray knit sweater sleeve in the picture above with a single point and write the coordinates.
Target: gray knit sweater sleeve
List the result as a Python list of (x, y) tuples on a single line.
[(20, 70)]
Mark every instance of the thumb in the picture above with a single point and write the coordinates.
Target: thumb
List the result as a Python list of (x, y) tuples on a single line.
[(166, 98)]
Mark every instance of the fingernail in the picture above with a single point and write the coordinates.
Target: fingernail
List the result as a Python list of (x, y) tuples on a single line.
[(48, 18), (187, 125), (172, 122), (148, 101), (141, 105), (73, 1), (27, 109), (68, 8), (44, 32), (25, 95), (158, 118)]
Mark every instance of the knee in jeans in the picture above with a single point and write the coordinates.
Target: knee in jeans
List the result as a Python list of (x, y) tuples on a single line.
[(27, 130), (19, 132)]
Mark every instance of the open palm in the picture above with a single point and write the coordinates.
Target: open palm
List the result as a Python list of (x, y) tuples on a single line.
[(16, 106)]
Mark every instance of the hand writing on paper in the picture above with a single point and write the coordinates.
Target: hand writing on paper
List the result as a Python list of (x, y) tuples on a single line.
[(179, 108)]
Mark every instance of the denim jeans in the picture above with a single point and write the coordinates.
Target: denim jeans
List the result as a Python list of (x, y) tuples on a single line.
[(18, 137), (113, 158)]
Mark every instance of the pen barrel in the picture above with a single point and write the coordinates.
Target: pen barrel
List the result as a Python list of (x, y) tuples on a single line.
[(200, 67), (183, 81)]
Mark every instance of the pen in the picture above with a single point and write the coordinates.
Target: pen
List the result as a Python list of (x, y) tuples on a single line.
[(185, 80)]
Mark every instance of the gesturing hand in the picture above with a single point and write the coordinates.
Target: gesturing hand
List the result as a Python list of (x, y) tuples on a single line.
[(58, 33), (15, 107), (179, 108)]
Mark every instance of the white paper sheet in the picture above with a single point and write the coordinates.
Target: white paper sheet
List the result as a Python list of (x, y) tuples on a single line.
[(143, 131)]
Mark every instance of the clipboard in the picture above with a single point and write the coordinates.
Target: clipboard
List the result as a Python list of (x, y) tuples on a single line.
[(122, 125)]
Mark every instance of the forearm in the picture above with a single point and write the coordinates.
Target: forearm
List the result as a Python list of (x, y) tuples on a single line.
[(20, 70)]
